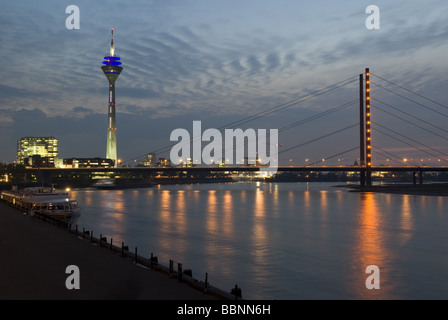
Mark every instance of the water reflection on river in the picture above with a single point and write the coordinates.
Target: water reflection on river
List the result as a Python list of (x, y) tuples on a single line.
[(283, 240)]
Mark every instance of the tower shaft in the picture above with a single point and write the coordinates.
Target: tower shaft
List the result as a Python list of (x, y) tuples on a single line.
[(111, 151)]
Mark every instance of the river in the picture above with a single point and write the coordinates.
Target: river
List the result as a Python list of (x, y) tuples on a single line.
[(283, 240)]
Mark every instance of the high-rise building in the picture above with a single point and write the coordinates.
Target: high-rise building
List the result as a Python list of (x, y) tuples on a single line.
[(112, 69), (31, 149)]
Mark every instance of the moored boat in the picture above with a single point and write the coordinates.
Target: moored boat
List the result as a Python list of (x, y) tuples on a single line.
[(60, 209), (43, 201)]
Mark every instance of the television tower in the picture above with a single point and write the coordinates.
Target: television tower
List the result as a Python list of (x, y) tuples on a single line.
[(112, 69)]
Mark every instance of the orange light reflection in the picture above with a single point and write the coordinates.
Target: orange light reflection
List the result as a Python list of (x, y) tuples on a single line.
[(259, 233), (370, 249)]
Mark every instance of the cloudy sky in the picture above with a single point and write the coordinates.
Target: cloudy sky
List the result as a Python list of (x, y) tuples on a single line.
[(220, 62)]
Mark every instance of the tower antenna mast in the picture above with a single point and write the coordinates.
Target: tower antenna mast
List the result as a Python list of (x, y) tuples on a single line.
[(112, 51)]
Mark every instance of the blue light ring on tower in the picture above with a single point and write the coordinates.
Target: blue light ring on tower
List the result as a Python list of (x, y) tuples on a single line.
[(112, 58), (112, 61)]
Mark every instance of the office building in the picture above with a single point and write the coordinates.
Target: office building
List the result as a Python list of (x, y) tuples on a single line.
[(37, 151)]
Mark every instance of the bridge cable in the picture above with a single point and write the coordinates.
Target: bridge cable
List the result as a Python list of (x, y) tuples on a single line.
[(410, 115), (282, 106), (417, 94), (318, 138), (333, 156), (422, 150), (422, 144), (276, 108), (306, 120), (417, 103), (314, 117), (309, 119), (410, 122), (392, 158)]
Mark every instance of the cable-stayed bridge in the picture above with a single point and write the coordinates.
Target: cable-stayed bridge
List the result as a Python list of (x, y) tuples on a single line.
[(374, 98)]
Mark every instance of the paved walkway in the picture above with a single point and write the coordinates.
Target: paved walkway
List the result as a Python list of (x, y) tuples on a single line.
[(34, 256)]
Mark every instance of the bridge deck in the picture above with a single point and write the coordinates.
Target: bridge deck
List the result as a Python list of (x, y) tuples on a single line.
[(245, 169)]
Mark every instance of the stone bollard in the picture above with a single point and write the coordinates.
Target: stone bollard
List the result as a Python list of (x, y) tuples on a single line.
[(123, 248)]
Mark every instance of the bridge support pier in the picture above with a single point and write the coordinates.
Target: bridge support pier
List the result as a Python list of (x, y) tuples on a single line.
[(368, 177), (420, 177)]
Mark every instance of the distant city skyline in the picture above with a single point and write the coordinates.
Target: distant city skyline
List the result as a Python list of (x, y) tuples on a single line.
[(218, 62)]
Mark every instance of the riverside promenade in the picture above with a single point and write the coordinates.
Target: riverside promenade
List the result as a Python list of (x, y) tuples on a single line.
[(35, 255)]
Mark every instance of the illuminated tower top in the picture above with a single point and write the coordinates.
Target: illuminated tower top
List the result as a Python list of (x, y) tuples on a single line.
[(112, 64)]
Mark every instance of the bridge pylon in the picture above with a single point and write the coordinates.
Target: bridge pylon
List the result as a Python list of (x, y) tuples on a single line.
[(362, 151), (368, 130)]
